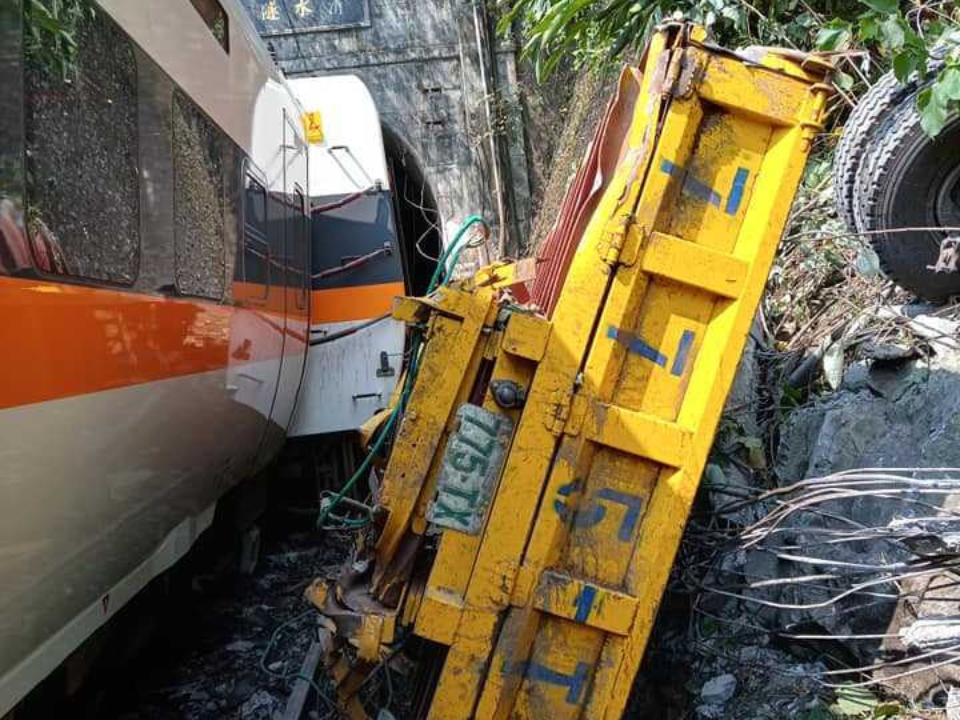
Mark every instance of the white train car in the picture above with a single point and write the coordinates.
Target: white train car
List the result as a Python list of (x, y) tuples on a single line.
[(154, 301), (356, 349), (164, 326)]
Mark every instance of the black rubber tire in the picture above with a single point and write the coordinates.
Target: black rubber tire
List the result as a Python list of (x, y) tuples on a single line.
[(867, 170), (869, 113), (912, 180), (870, 119)]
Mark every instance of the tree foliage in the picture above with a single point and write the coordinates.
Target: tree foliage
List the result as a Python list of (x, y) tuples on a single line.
[(50, 33), (872, 35)]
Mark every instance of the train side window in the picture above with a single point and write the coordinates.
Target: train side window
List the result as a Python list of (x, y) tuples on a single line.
[(14, 255), (82, 203), (216, 19), (278, 217), (301, 254), (256, 248), (198, 201)]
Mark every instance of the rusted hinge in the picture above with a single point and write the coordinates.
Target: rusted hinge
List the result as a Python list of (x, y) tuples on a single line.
[(693, 66), (620, 242)]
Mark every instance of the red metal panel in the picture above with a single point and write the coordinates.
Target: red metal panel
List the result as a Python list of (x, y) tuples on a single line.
[(594, 174)]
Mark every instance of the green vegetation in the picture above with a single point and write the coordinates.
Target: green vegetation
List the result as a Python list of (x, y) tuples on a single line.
[(50, 29), (871, 35)]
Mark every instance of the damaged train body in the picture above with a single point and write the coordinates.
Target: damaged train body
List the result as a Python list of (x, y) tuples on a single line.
[(160, 297)]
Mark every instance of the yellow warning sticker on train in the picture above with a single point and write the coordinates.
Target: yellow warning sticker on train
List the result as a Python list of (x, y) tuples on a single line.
[(313, 126)]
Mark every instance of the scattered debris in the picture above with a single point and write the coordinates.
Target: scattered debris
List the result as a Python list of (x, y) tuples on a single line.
[(940, 331), (259, 707), (932, 632), (224, 651), (953, 703), (718, 690), (240, 646), (949, 255)]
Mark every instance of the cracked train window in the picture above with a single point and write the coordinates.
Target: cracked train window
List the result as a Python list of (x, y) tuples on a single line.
[(198, 162), (81, 149)]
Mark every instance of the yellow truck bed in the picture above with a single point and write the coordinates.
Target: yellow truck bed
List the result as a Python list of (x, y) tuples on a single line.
[(543, 470)]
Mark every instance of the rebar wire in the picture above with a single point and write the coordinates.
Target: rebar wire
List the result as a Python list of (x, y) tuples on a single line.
[(866, 233), (295, 675), (810, 536), (428, 214)]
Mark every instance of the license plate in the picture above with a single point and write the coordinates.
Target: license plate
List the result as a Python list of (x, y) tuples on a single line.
[(471, 465)]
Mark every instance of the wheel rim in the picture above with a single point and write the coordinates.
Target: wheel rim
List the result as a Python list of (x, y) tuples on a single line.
[(947, 200), (921, 190)]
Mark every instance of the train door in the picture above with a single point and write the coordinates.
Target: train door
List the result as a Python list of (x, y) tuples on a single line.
[(293, 267), (256, 337)]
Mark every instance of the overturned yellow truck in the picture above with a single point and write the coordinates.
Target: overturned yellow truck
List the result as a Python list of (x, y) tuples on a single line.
[(542, 470)]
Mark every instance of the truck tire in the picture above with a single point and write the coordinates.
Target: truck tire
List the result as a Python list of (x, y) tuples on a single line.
[(912, 180), (869, 113)]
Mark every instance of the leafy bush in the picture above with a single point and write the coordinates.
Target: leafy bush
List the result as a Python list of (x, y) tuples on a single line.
[(50, 33), (870, 36)]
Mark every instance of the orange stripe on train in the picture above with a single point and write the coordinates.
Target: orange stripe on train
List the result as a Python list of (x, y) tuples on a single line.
[(359, 302), (62, 340)]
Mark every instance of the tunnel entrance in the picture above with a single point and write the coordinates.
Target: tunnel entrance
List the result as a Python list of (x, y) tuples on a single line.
[(419, 226)]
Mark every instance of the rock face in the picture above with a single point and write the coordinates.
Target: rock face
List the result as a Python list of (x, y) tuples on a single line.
[(903, 416), (839, 554), (846, 572)]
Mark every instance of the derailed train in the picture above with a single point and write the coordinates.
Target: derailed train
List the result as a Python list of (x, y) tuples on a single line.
[(155, 297)]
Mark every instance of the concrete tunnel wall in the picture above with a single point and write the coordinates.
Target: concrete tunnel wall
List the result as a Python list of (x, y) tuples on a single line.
[(423, 63)]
